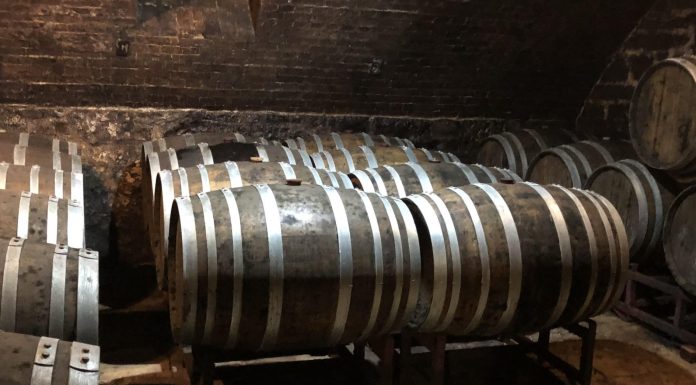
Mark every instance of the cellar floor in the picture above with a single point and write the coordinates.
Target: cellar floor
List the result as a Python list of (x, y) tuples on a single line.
[(626, 353)]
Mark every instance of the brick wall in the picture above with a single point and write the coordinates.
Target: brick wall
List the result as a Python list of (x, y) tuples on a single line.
[(667, 30), (451, 58)]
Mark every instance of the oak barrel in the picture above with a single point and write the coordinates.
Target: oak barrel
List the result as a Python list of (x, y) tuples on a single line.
[(642, 198), (349, 160), (28, 156), (334, 140), (26, 139), (179, 142), (193, 180), (49, 290), (515, 149), (515, 258), (662, 118), (42, 218), (42, 180), (273, 268), (30, 360), (405, 179), (570, 165), (679, 239)]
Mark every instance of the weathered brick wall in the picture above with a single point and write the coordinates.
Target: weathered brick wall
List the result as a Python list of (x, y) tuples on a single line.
[(451, 58), (667, 30)]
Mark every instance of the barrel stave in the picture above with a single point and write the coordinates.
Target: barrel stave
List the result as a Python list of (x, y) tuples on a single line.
[(678, 239)]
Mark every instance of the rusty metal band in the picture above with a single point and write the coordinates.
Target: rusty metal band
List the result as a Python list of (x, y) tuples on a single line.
[(514, 254), (147, 148), (87, 317), (455, 257), (24, 139), (329, 161), (657, 197), (317, 140), (291, 143), (212, 266), (621, 265), (84, 364), (58, 183), (239, 137), (385, 140), (173, 160), (77, 190), (398, 266), (315, 175), (569, 163), (302, 144), (206, 155), (396, 178), (20, 154), (584, 162), (345, 265), (509, 152), (414, 258), (205, 179), (608, 158), (76, 224), (332, 178), (337, 140), (34, 179), (484, 259), (379, 182), (537, 138), (154, 162), (422, 175), (468, 172), (183, 182), (276, 265), (189, 140), (520, 150), (594, 253), (489, 174), (44, 360), (288, 171), (4, 166), (234, 174), (378, 263), (566, 250), (440, 262), (76, 165), (318, 161), (349, 159), (189, 255), (56, 317), (162, 144), (370, 156), (367, 139), (72, 148), (345, 180), (238, 266), (428, 154), (23, 215), (52, 220), (288, 154), (306, 160), (10, 276), (364, 180), (642, 197), (611, 241), (409, 154), (454, 158)]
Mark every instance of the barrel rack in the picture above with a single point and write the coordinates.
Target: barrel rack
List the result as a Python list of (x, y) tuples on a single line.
[(678, 320)]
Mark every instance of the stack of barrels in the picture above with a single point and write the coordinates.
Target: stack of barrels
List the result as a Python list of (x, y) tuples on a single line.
[(49, 280), (263, 249)]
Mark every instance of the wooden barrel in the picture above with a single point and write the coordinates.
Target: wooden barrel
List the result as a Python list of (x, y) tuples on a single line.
[(678, 240), (38, 180), (273, 268), (514, 149), (179, 142), (30, 360), (42, 218), (333, 140), (570, 165), (49, 290), (515, 258), (25, 139), (439, 156), (405, 179), (662, 120), (193, 180), (28, 156), (366, 157), (642, 198)]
